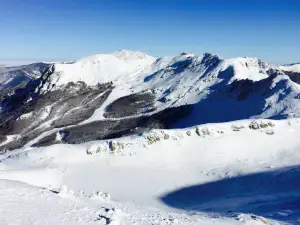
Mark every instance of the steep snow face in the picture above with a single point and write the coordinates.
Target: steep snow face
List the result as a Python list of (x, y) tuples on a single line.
[(184, 78), (282, 99), (102, 68), (249, 68)]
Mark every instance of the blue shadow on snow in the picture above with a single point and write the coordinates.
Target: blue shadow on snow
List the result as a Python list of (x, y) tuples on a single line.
[(273, 194)]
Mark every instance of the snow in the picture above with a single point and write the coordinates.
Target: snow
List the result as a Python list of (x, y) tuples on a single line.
[(291, 68), (248, 68), (206, 79), (24, 204), (203, 80), (102, 68), (180, 80), (238, 172), (12, 76), (141, 178)]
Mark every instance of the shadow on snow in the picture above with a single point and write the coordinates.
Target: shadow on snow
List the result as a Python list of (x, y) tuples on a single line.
[(274, 194)]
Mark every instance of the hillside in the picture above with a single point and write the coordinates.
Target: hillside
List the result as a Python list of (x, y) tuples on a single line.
[(126, 92)]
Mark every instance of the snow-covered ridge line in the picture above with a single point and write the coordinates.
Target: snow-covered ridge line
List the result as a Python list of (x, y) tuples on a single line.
[(291, 67)]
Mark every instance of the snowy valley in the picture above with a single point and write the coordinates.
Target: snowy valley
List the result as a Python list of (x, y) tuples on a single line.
[(126, 138)]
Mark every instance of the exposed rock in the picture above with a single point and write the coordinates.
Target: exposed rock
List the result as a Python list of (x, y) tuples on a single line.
[(237, 127), (131, 105)]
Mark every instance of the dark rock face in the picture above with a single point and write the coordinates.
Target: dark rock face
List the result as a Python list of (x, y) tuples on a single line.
[(131, 105), (25, 111), (80, 108), (107, 129), (14, 105), (293, 76)]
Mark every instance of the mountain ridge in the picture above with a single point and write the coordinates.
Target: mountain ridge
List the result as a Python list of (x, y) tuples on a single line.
[(131, 92)]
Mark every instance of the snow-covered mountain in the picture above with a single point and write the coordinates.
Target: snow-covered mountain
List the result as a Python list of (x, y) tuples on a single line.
[(102, 68), (130, 91), (125, 138), (295, 67)]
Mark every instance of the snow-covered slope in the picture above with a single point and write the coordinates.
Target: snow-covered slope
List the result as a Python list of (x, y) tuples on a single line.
[(102, 68), (215, 85), (188, 78), (292, 67), (243, 172)]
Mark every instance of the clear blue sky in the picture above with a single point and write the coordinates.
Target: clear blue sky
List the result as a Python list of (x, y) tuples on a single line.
[(70, 29)]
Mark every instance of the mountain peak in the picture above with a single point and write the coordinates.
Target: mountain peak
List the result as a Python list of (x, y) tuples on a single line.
[(130, 55)]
